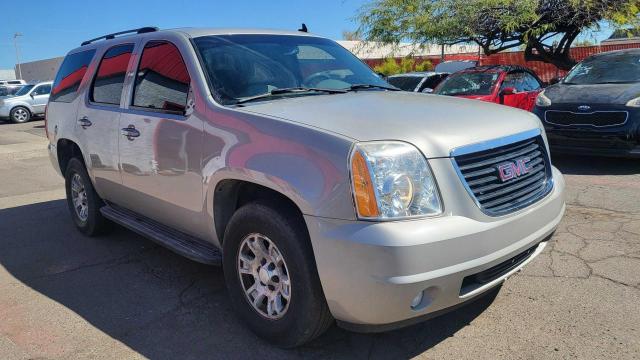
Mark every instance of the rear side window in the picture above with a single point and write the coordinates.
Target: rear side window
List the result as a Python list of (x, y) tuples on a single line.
[(70, 75), (162, 79), (109, 80), (42, 90)]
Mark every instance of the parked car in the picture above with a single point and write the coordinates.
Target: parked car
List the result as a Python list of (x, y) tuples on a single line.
[(30, 100), (508, 85), (9, 90), (12, 82), (452, 66), (323, 192), (596, 108), (417, 81)]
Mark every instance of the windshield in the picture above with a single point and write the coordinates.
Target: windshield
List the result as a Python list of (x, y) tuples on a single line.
[(244, 66), (406, 83), (614, 68), (468, 83), (25, 90)]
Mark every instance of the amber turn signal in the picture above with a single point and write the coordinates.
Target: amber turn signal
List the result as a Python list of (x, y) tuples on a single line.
[(364, 195)]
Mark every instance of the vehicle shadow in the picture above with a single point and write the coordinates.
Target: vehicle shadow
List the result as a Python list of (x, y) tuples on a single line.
[(162, 305), (594, 165)]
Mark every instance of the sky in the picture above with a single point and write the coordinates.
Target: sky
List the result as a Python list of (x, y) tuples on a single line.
[(52, 28)]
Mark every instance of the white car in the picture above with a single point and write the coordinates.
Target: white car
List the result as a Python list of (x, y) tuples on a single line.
[(29, 101)]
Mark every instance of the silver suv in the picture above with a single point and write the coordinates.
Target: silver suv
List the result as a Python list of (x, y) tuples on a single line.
[(27, 102), (322, 191)]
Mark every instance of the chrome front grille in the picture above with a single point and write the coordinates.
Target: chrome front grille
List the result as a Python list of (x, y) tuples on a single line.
[(506, 174)]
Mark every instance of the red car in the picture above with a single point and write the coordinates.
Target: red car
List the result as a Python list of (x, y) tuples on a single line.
[(509, 85)]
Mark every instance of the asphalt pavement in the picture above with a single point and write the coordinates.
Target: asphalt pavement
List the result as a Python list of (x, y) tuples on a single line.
[(66, 296)]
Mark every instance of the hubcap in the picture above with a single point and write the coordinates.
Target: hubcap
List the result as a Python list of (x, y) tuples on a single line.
[(264, 276), (79, 197), (20, 115)]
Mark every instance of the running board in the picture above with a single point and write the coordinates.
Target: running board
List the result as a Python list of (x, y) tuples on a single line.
[(176, 241)]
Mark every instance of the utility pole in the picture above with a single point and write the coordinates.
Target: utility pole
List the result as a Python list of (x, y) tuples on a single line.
[(15, 43)]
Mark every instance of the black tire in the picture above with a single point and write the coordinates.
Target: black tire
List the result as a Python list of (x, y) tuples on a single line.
[(95, 223), (307, 316), (20, 114)]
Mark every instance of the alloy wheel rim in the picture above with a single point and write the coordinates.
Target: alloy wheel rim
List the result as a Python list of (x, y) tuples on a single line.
[(20, 115), (79, 197), (264, 276)]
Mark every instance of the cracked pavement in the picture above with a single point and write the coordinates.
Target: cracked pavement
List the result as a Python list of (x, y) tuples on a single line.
[(65, 296)]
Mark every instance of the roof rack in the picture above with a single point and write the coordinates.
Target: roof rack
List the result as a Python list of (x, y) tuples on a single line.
[(141, 30)]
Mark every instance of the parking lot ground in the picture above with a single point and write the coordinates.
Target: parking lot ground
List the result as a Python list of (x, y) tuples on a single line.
[(66, 296)]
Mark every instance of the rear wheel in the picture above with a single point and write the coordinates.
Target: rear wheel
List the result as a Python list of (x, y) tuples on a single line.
[(271, 276), (20, 114), (84, 203)]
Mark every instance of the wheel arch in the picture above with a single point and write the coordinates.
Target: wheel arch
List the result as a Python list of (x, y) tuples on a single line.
[(66, 150), (231, 194)]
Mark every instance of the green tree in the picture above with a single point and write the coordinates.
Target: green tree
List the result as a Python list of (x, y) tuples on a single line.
[(545, 28), (391, 66)]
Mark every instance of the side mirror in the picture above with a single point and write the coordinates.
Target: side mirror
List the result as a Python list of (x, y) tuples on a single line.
[(32, 95), (427, 90), (508, 91)]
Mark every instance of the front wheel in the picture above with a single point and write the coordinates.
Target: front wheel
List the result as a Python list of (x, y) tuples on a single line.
[(20, 115), (271, 275)]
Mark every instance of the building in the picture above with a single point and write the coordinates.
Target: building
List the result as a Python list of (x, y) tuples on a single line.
[(367, 50), (623, 36), (41, 70), (7, 74)]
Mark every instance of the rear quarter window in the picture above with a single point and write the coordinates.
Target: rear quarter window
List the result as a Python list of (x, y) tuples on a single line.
[(70, 76)]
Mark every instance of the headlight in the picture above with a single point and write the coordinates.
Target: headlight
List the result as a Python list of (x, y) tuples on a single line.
[(634, 102), (542, 100), (391, 180)]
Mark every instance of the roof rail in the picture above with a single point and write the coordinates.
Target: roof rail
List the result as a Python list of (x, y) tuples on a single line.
[(141, 30)]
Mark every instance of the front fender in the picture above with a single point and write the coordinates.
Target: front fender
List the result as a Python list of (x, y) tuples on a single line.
[(307, 165)]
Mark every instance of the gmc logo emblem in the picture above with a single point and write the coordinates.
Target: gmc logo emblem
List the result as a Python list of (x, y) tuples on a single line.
[(512, 170)]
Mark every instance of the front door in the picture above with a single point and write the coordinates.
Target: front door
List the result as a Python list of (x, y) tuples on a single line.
[(40, 97), (161, 141), (520, 98)]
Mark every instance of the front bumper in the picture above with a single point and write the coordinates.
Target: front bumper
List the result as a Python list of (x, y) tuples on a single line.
[(620, 140), (372, 271), (5, 111)]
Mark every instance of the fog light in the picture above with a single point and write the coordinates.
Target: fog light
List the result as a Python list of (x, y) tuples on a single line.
[(415, 303)]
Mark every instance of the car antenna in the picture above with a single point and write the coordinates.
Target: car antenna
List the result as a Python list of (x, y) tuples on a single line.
[(303, 28)]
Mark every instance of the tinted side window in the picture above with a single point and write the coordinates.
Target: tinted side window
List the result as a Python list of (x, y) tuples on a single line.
[(514, 80), (162, 80), (531, 83), (70, 75), (108, 82), (42, 90)]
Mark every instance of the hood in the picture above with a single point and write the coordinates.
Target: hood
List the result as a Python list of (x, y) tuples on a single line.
[(435, 124), (618, 94)]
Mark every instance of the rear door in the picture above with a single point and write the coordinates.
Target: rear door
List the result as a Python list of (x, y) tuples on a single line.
[(161, 140), (97, 125), (40, 97)]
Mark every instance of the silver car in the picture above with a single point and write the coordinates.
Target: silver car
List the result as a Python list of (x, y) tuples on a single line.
[(27, 102), (323, 192)]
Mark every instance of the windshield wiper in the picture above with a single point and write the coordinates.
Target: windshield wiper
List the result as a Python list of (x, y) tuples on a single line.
[(355, 87), (291, 90)]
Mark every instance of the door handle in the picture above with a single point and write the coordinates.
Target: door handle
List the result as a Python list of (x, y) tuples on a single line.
[(130, 132), (84, 122)]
